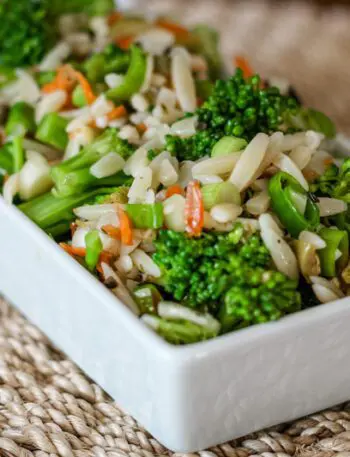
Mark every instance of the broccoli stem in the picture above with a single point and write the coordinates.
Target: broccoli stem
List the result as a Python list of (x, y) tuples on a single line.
[(20, 119), (73, 175), (53, 214), (52, 130)]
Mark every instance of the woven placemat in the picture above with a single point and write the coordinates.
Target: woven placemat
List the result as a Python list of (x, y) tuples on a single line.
[(48, 408)]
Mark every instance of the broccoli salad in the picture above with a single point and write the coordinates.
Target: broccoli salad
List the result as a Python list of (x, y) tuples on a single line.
[(205, 202)]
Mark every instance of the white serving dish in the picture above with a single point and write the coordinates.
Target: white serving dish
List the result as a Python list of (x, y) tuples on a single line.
[(190, 397)]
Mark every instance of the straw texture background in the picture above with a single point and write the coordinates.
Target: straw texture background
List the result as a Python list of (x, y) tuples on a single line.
[(48, 408)]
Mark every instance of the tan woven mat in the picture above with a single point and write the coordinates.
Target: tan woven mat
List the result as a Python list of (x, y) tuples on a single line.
[(48, 408)]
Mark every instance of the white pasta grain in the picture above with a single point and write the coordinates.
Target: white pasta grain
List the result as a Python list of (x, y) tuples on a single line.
[(258, 204), (183, 82), (130, 133), (225, 212), (107, 165), (140, 185), (50, 103), (286, 164), (55, 57), (331, 206), (216, 165), (11, 188), (139, 102), (167, 173), (301, 156), (250, 161), (145, 263), (312, 238), (174, 210), (324, 294), (114, 80)]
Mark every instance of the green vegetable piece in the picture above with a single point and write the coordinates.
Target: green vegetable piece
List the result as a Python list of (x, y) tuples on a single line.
[(181, 332), (321, 123), (48, 211), (58, 230), (204, 89), (228, 144), (111, 60), (147, 297), (283, 205), (78, 97), (26, 32), (20, 120), (90, 7), (93, 249), (6, 159), (52, 131), (17, 153), (223, 192), (73, 175), (208, 46), (145, 216), (134, 77), (7, 75), (44, 77), (230, 270), (336, 240)]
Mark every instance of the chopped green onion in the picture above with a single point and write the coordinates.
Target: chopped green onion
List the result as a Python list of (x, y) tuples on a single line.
[(45, 77), (93, 249), (52, 131), (336, 240), (147, 298), (223, 192), (78, 97), (321, 123), (228, 144), (134, 77), (20, 119), (17, 153), (145, 216), (6, 159)]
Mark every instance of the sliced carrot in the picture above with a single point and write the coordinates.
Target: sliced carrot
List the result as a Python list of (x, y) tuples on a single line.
[(65, 80), (178, 30), (125, 42), (125, 227), (141, 127), (242, 63), (112, 231), (71, 250), (114, 17), (88, 92), (172, 190), (116, 113), (73, 227), (194, 209), (105, 257), (328, 161)]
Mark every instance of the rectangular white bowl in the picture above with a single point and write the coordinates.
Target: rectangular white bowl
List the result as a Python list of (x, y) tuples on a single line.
[(190, 397)]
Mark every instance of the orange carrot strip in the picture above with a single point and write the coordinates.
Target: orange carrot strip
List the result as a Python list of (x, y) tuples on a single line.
[(114, 17), (242, 63), (176, 29), (105, 257), (194, 209), (71, 250), (125, 42), (112, 231), (141, 127), (88, 92), (117, 112), (125, 227), (172, 190)]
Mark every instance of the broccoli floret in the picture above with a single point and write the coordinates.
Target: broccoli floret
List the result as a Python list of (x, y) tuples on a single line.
[(73, 176), (28, 27), (228, 275), (26, 32), (238, 107)]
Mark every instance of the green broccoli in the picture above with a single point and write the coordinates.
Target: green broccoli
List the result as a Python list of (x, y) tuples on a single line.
[(28, 27), (238, 107), (73, 176), (228, 275), (26, 32)]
